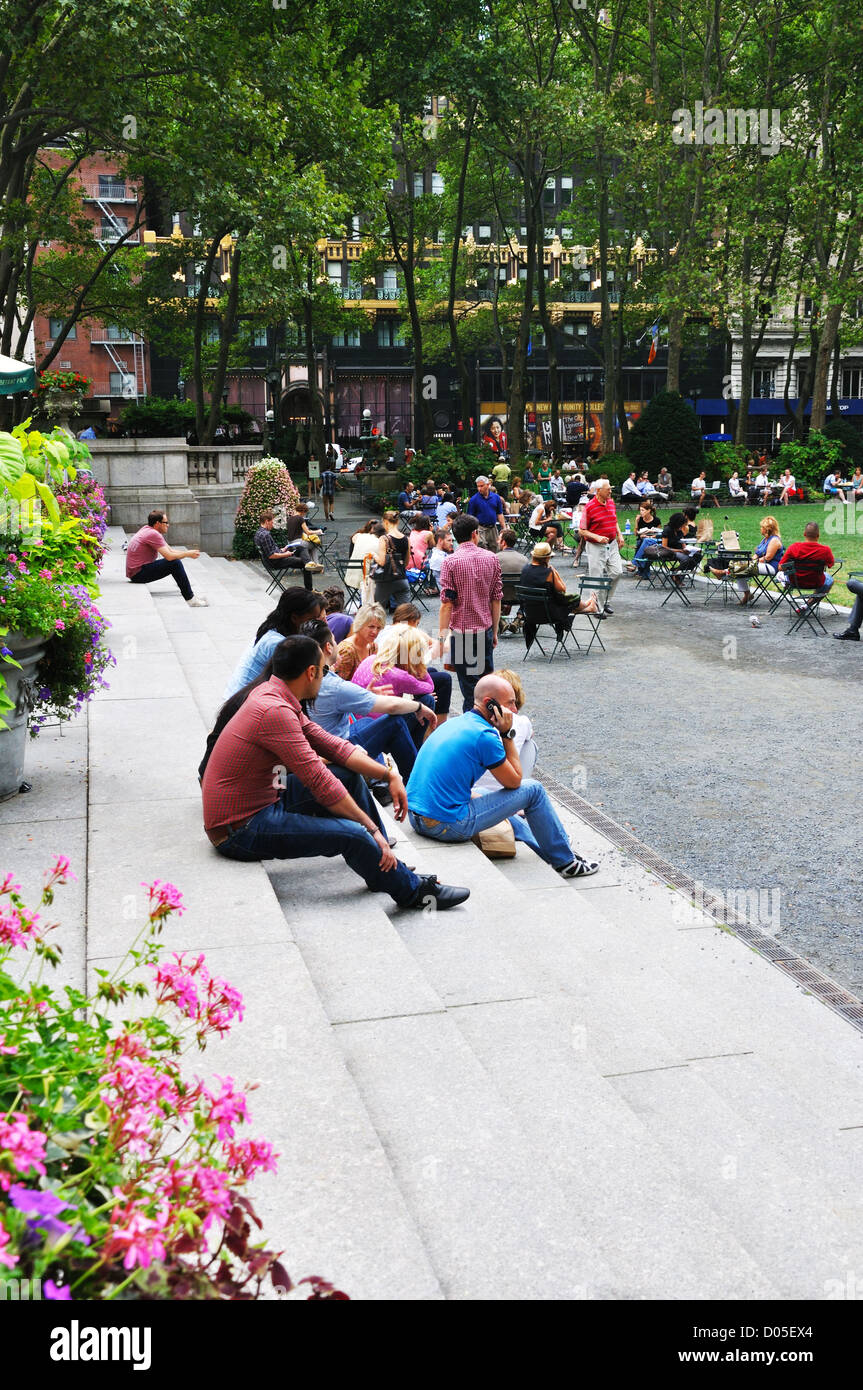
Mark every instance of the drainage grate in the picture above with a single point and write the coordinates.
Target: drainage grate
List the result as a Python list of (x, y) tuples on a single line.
[(821, 986)]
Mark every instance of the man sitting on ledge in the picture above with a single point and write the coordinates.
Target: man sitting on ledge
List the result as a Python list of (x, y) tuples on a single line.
[(453, 760), (268, 794), (149, 558)]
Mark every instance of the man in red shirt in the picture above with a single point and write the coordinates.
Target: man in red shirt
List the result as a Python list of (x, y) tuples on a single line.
[(471, 593), (810, 561), (268, 794), (603, 538), (149, 557)]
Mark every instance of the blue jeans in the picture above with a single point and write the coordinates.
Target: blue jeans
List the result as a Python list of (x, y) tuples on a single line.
[(298, 827), (159, 569), (543, 831), (389, 733), (471, 656)]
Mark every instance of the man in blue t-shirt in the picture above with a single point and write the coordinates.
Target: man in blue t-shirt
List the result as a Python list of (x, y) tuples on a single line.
[(453, 760), (487, 507)]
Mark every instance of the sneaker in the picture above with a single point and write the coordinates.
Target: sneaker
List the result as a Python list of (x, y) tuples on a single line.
[(445, 895), (579, 868), (197, 602), (314, 568)]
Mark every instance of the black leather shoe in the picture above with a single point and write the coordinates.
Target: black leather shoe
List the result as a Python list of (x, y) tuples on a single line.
[(848, 636), (381, 793), (444, 895), (609, 611)]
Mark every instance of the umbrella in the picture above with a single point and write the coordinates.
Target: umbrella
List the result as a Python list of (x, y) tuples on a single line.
[(15, 376)]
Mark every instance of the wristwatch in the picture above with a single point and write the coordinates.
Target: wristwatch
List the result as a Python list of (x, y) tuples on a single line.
[(510, 733)]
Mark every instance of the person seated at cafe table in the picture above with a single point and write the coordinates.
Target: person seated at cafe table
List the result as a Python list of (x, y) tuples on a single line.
[(542, 513), (810, 559), (855, 490), (647, 530), (763, 487), (768, 554), (833, 488), (735, 489), (629, 492), (672, 546)]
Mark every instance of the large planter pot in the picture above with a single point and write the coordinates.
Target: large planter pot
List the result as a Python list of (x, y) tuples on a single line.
[(60, 405), (13, 741)]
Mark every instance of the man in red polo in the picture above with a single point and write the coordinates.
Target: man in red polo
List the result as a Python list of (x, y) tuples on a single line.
[(602, 538)]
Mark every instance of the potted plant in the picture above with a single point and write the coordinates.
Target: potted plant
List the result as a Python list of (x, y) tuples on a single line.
[(61, 393), (52, 658)]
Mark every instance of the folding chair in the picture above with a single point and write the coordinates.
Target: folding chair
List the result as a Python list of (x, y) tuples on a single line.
[(277, 573), (803, 603), (352, 591), (420, 584), (511, 624), (668, 574), (599, 588), (537, 614), (725, 583)]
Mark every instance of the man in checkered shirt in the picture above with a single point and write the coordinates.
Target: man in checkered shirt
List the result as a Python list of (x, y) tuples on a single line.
[(471, 593)]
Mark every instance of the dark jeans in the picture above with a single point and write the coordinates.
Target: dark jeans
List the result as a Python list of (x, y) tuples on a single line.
[(471, 656), (684, 562), (298, 827), (299, 565), (389, 733), (856, 588), (393, 591), (442, 681), (158, 569)]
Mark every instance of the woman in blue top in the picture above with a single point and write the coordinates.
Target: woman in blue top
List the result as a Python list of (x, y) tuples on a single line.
[(768, 553), (295, 607)]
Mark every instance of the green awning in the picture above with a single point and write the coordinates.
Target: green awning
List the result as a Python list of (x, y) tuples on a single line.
[(15, 376)]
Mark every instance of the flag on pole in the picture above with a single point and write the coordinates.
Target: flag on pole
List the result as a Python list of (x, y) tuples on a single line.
[(654, 342)]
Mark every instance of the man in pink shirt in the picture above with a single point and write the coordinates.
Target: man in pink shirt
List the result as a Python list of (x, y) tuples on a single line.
[(149, 557), (471, 592)]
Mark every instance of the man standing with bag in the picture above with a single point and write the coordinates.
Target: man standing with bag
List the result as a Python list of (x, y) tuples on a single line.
[(603, 539)]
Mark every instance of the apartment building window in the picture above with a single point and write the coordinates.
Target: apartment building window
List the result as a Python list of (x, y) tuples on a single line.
[(114, 334), (566, 190), (441, 105), (437, 184), (852, 382), (122, 384), (763, 382), (503, 274), (212, 333), (111, 186), (55, 328), (484, 231), (549, 193), (522, 272), (259, 337), (350, 337), (390, 333), (390, 279), (113, 228), (419, 185), (334, 272)]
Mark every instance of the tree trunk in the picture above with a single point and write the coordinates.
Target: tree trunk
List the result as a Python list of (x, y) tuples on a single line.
[(623, 423), (675, 348), (458, 355), (518, 380), (550, 339), (834, 387), (316, 409), (829, 329)]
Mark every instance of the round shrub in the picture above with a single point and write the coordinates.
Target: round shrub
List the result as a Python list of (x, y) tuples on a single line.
[(668, 436)]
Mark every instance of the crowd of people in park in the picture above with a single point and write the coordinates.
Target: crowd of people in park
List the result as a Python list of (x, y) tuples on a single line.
[(354, 708)]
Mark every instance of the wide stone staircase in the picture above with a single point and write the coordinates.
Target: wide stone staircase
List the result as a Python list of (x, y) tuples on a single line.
[(559, 1090)]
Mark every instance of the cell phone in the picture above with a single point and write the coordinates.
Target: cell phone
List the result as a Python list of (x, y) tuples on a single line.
[(493, 707)]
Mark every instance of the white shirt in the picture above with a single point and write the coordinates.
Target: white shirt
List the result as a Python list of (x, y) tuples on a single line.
[(630, 489), (762, 480), (734, 487), (788, 482), (537, 515), (698, 485), (436, 558), (523, 731)]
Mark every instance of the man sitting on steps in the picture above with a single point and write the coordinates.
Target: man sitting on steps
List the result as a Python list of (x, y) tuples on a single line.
[(455, 757), (268, 794), (149, 557)]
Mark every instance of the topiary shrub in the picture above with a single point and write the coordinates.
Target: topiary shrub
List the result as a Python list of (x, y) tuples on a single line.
[(268, 484), (850, 436), (156, 415), (668, 436), (617, 466)]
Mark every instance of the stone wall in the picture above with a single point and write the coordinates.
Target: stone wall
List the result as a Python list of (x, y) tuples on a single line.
[(198, 488)]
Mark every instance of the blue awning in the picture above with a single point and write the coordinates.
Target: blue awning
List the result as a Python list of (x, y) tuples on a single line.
[(774, 406)]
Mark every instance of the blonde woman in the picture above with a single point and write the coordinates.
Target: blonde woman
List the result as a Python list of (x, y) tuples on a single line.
[(361, 639), (399, 666), (525, 744), (768, 554)]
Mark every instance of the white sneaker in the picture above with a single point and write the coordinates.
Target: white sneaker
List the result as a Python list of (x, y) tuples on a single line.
[(314, 568), (197, 602)]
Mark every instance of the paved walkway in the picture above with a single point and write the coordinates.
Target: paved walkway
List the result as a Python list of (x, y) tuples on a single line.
[(556, 1091)]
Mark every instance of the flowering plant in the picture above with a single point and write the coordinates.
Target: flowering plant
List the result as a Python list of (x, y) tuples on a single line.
[(84, 500), (61, 381), (120, 1175), (268, 484)]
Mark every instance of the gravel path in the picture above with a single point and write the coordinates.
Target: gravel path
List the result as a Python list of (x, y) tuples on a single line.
[(730, 750)]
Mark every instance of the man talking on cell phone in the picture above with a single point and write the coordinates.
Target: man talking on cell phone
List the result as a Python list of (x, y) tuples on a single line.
[(454, 758)]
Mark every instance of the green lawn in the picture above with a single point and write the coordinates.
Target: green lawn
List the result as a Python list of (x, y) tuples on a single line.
[(842, 532)]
